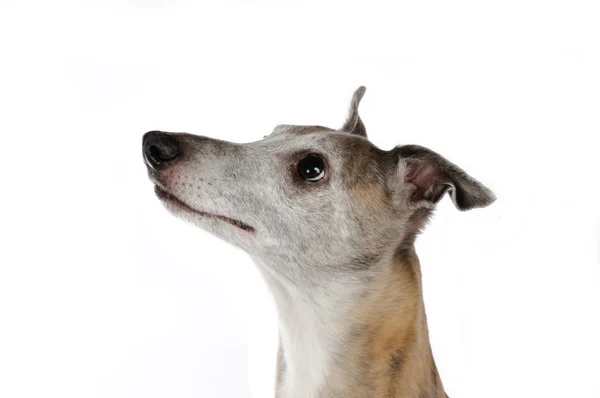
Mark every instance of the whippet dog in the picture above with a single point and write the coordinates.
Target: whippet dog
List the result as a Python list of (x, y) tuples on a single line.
[(330, 221)]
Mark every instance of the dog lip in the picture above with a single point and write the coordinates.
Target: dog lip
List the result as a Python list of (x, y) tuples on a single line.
[(164, 195)]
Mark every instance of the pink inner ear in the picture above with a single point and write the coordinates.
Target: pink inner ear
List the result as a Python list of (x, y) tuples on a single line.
[(421, 177)]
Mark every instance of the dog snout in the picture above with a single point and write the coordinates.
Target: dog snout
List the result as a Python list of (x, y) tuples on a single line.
[(159, 149)]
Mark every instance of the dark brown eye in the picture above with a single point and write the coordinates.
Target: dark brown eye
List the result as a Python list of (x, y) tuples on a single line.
[(311, 168)]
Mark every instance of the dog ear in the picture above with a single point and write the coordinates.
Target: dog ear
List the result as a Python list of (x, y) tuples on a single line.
[(427, 176), (353, 123)]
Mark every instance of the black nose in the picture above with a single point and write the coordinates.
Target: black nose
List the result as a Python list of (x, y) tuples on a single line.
[(159, 149)]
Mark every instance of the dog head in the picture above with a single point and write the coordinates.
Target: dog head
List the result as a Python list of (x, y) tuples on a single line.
[(309, 201)]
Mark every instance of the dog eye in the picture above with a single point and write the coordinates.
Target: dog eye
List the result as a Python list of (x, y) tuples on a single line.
[(311, 168)]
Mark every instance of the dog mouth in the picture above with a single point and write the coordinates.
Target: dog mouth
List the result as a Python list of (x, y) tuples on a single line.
[(166, 196)]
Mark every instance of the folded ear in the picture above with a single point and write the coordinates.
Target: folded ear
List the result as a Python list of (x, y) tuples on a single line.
[(426, 176), (353, 123)]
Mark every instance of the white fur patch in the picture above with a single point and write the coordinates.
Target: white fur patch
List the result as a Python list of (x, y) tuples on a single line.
[(310, 332)]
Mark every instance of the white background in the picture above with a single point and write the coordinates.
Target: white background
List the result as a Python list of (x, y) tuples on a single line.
[(104, 294)]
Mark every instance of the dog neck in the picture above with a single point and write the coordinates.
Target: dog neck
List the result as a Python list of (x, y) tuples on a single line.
[(359, 339)]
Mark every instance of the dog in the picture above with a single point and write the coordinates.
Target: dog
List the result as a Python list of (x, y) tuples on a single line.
[(330, 220)]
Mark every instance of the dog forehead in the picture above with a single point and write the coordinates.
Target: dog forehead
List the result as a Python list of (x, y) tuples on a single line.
[(297, 130), (319, 136)]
